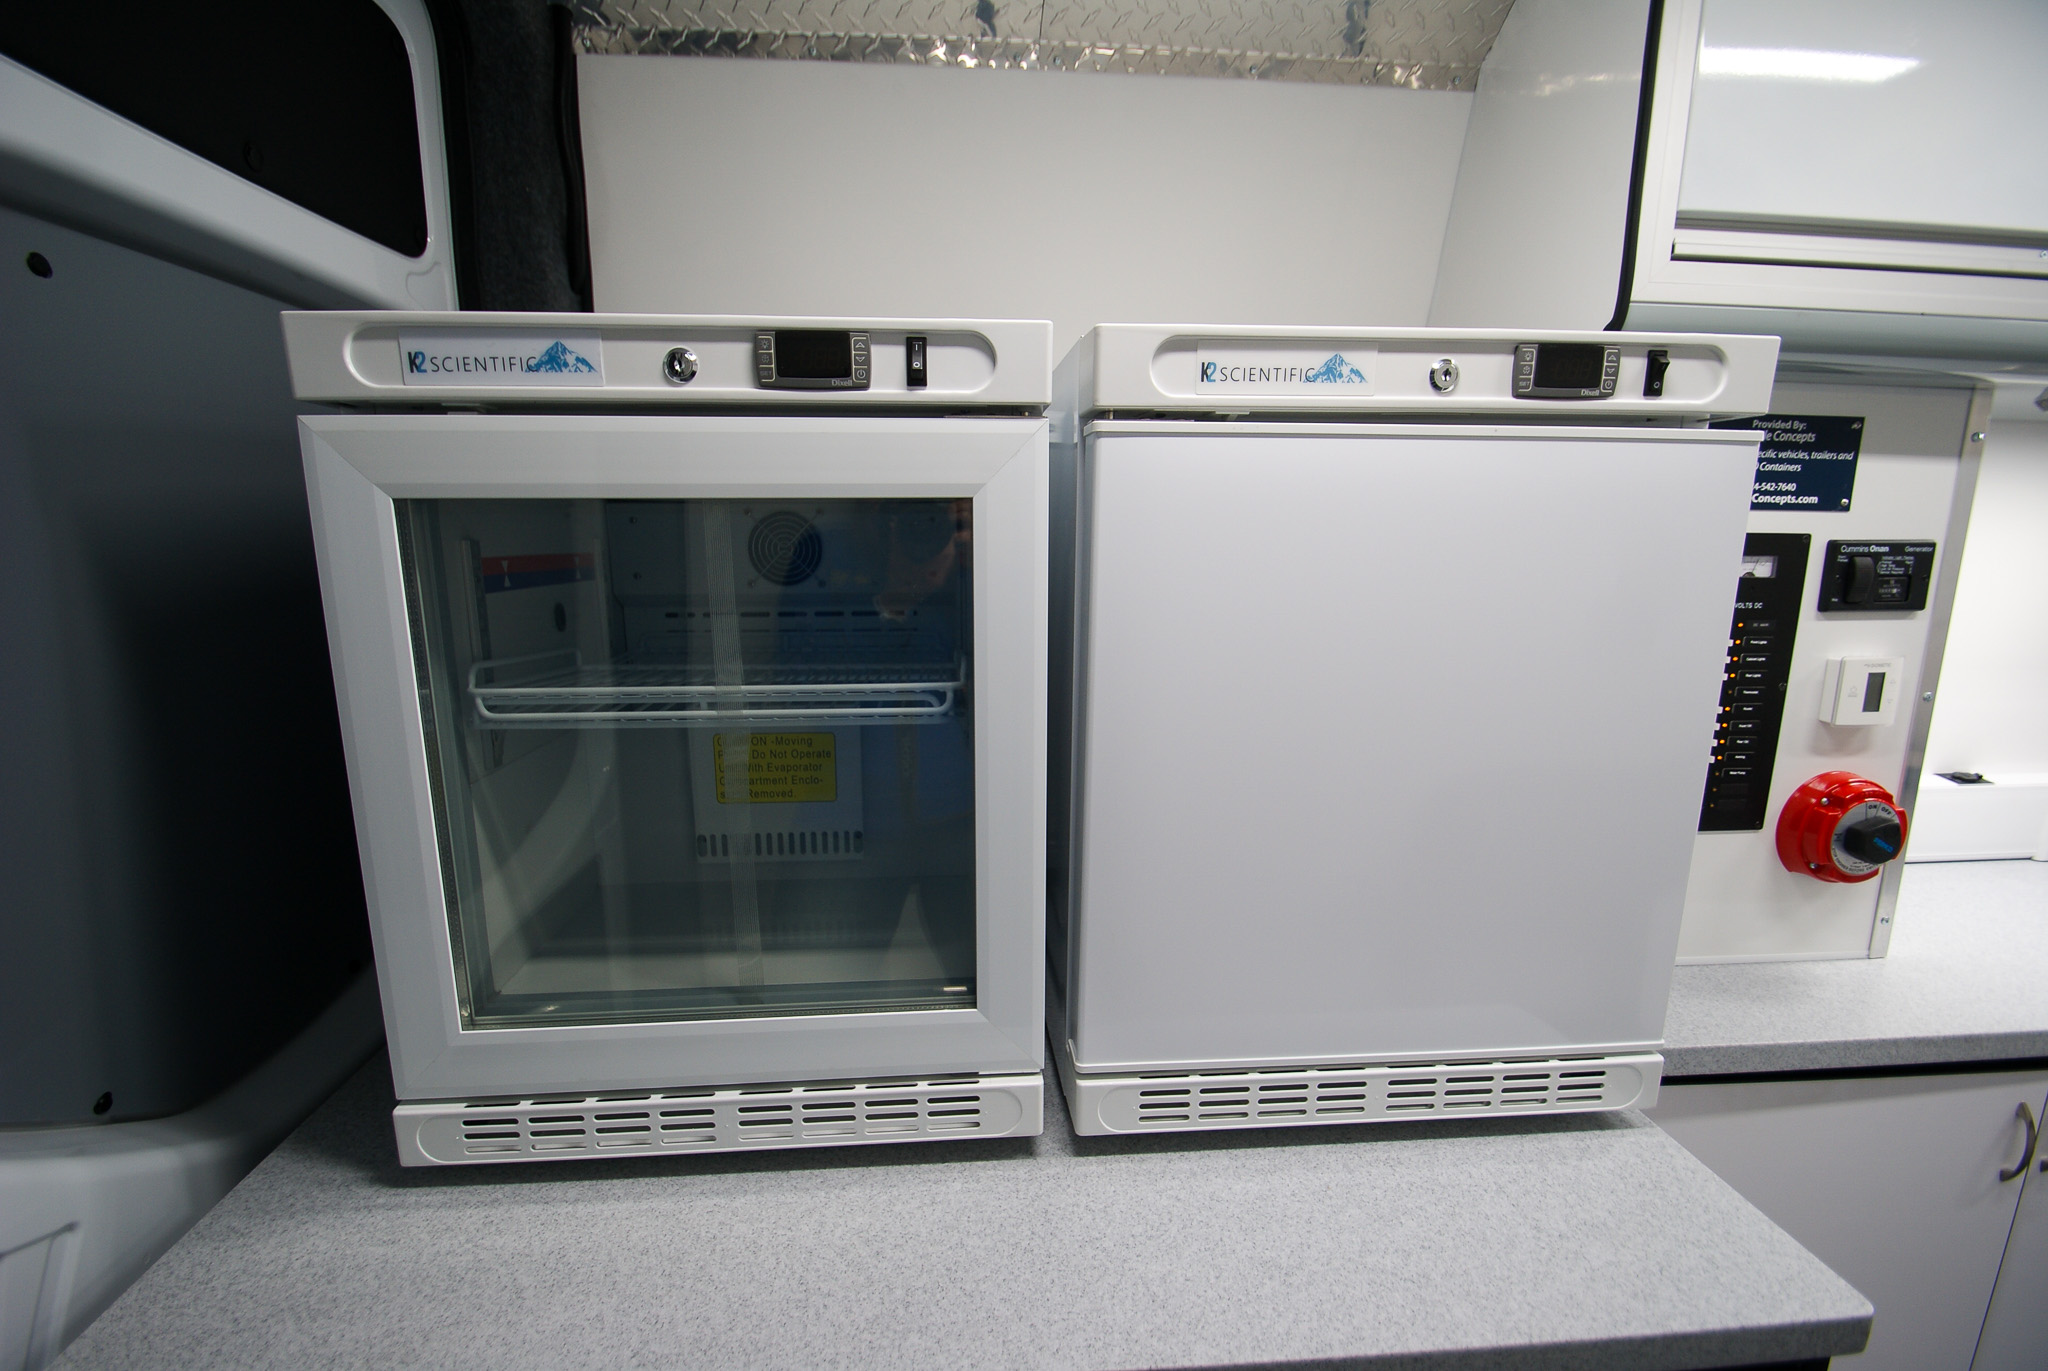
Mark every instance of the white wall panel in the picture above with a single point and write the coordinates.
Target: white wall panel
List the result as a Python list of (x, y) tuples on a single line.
[(1992, 714), (724, 186), (1536, 228)]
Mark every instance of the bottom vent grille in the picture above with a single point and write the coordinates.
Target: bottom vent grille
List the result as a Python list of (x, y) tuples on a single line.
[(1362, 1093), (731, 1118)]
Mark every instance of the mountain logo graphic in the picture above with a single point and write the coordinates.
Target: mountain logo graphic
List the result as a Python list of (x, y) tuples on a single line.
[(561, 358), (1337, 371)]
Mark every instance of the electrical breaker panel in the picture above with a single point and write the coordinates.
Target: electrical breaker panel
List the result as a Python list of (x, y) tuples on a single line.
[(1838, 614)]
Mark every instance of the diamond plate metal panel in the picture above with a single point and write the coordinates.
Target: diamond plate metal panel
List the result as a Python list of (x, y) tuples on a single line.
[(1420, 44)]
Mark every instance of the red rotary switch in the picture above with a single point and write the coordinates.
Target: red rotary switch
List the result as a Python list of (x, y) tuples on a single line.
[(1840, 827)]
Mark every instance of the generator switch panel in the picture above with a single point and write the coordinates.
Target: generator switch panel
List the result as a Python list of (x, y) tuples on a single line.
[(1871, 578)]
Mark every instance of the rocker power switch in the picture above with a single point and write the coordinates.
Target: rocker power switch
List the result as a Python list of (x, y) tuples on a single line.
[(913, 362), (1653, 371), (1861, 581)]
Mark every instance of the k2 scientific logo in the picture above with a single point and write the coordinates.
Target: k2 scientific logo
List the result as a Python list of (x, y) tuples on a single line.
[(559, 359), (1334, 371)]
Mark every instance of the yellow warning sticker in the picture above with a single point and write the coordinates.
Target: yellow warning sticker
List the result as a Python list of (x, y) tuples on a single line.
[(781, 768)]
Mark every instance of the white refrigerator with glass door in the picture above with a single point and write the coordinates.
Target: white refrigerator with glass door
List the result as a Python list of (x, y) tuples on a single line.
[(1385, 676), (693, 687)]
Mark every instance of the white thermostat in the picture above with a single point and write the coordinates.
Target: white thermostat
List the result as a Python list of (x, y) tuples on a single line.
[(1861, 690)]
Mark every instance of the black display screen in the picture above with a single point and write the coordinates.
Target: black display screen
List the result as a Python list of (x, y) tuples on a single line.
[(1569, 366), (824, 354)]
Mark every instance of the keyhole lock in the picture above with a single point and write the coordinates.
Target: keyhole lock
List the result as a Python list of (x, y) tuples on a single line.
[(680, 366), (1443, 377)]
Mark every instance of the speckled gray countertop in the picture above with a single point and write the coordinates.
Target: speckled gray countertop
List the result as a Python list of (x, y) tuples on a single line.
[(1569, 1242), (1966, 981)]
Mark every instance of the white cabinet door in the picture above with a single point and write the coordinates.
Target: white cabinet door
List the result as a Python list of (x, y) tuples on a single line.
[(2016, 1330), (1901, 114), (1892, 1181)]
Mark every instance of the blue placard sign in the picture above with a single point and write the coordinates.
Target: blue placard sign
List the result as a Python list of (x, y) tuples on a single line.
[(1807, 462)]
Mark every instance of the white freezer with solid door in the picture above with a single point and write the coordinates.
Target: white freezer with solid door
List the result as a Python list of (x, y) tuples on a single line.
[(1387, 746)]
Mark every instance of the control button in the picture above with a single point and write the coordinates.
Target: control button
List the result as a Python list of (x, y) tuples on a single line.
[(914, 361), (860, 374)]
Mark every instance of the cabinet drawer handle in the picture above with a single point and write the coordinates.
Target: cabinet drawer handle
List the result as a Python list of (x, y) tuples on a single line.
[(2025, 1116)]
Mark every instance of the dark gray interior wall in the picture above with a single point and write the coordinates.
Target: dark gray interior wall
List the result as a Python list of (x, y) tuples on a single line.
[(179, 889), (515, 154)]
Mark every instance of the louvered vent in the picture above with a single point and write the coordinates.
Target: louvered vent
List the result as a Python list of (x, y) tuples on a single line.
[(719, 1120), (1364, 1093)]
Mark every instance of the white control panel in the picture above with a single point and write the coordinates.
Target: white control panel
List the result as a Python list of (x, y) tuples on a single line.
[(1140, 369)]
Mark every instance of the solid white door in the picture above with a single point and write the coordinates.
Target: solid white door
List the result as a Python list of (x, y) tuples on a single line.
[(1392, 739), (1892, 1181), (2016, 1328)]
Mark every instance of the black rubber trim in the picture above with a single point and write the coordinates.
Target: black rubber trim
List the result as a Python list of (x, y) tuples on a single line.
[(1645, 99), (569, 135)]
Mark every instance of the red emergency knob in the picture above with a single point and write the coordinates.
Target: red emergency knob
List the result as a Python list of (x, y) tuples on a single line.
[(1840, 827)]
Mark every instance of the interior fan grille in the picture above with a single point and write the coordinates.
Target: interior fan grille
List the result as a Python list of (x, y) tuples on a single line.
[(785, 548)]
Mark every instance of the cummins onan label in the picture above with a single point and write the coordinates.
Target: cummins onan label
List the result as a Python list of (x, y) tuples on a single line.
[(475, 358), (1291, 369)]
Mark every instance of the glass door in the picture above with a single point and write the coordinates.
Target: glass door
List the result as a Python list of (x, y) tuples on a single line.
[(699, 759)]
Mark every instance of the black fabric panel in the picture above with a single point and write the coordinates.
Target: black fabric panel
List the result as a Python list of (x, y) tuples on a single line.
[(515, 169), (312, 101)]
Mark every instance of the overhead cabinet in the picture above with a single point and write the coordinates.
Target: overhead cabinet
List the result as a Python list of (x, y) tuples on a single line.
[(1850, 168), (1855, 176)]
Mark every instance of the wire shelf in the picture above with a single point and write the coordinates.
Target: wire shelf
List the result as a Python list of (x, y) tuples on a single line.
[(558, 690)]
